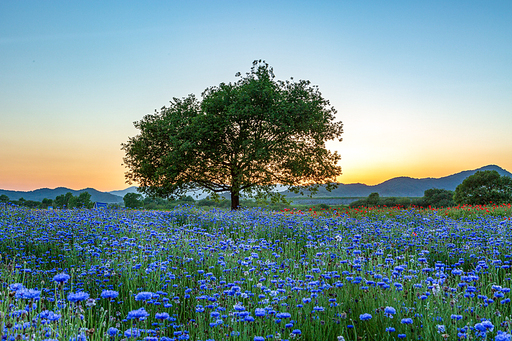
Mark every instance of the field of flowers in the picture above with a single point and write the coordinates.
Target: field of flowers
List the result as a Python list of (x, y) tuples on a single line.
[(190, 274)]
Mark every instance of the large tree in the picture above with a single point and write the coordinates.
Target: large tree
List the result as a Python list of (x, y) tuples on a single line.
[(243, 138), (484, 187)]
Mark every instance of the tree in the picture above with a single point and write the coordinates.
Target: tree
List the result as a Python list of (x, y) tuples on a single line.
[(243, 138), (373, 199), (4, 198), (45, 203), (84, 200), (133, 200), (484, 187), (63, 200), (436, 197)]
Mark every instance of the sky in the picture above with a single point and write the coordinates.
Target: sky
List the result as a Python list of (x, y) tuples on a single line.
[(423, 88)]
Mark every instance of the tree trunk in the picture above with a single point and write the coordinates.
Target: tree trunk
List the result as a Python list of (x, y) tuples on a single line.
[(235, 201)]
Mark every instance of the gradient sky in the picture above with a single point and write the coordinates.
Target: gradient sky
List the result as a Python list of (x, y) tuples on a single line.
[(424, 88)]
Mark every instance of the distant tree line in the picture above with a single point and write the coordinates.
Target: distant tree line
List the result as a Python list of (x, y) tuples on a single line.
[(68, 200), (137, 201)]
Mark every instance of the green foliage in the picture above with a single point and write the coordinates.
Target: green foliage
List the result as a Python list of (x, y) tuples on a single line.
[(436, 197), (484, 187), (63, 200), (45, 203), (133, 200), (373, 199), (242, 138), (84, 200), (4, 198)]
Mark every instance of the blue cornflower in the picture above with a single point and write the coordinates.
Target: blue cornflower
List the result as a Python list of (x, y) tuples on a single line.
[(16, 286), (80, 337), (259, 338), (239, 307), (109, 294), (61, 278), (132, 332), (390, 311), (162, 316), (406, 321), (390, 329), (503, 336), (79, 296), (402, 336), (480, 327), (365, 316), (112, 331), (260, 312), (488, 325), (29, 294), (296, 332), (143, 296), (140, 313)]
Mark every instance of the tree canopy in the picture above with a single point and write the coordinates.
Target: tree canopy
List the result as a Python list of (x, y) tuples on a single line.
[(243, 138), (484, 187)]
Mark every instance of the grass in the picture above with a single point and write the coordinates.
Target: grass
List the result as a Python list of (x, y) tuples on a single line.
[(221, 275)]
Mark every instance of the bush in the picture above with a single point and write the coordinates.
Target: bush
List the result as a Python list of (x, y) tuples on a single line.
[(484, 187)]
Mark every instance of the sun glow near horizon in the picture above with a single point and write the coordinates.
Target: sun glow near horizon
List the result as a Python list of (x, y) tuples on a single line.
[(423, 90)]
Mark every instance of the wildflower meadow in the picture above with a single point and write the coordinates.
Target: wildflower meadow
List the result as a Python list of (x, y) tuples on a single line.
[(255, 274)]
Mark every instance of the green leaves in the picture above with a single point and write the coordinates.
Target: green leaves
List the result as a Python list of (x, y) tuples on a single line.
[(484, 187), (243, 137)]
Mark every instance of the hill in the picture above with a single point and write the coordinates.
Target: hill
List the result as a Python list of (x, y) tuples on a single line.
[(396, 187), (402, 186), (42, 193)]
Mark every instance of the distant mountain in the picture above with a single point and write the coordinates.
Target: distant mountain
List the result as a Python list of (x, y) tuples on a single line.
[(121, 193), (396, 187), (402, 186), (42, 193), (198, 194)]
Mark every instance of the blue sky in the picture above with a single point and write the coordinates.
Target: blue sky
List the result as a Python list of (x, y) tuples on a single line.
[(423, 88)]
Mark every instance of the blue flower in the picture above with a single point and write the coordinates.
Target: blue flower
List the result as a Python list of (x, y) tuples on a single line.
[(260, 312), (79, 296), (406, 321), (132, 332), (16, 286), (140, 313), (29, 294), (503, 336), (61, 278), (296, 332), (162, 316), (112, 331), (109, 294), (390, 329), (365, 316), (143, 296), (389, 311)]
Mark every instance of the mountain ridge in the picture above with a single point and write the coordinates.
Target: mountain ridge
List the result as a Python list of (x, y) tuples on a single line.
[(401, 186)]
